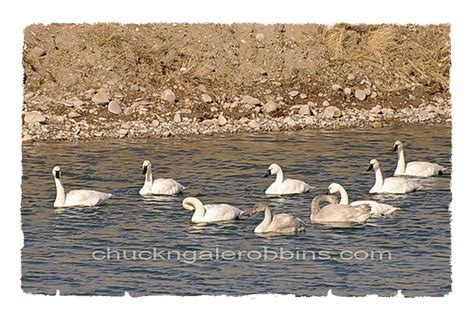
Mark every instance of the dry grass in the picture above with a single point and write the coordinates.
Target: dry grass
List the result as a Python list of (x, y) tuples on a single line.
[(410, 55)]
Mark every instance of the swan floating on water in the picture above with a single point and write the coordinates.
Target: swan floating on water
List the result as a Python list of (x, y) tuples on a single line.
[(211, 213), (284, 186), (280, 223), (391, 185), (377, 209), (83, 197), (160, 186), (421, 169), (335, 213)]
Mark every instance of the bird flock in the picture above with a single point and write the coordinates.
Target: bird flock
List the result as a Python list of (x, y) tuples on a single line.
[(334, 213)]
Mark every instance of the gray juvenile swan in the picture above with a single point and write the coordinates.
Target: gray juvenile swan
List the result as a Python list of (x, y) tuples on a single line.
[(284, 186), (377, 209), (280, 223), (421, 169), (335, 213), (83, 197), (391, 185), (211, 213), (160, 186)]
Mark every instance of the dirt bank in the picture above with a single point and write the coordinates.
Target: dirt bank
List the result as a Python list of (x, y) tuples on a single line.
[(159, 80)]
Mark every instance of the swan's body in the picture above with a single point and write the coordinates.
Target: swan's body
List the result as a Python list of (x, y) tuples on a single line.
[(391, 185), (376, 209), (280, 223), (160, 186), (335, 213), (84, 197), (211, 213), (284, 186), (420, 169)]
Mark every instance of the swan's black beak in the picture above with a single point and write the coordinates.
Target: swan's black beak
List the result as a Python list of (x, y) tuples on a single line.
[(144, 170), (57, 174), (327, 192), (395, 147), (268, 173), (371, 167)]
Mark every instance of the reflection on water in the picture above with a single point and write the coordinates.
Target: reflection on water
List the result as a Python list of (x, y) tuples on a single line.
[(59, 243)]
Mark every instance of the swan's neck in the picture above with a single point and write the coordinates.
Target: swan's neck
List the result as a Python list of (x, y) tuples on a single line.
[(279, 178), (378, 178), (60, 193), (344, 196), (315, 207), (146, 189), (401, 162), (199, 210), (267, 219)]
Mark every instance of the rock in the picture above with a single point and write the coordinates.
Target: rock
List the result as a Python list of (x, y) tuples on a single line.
[(293, 93), (253, 124), (206, 98), (114, 107), (29, 95), (269, 107), (128, 111), (56, 119), (202, 88), (325, 103), (222, 121), (332, 112), (168, 95), (373, 94), (368, 91), (376, 124), (27, 138), (250, 100), (208, 122), (177, 117), (166, 134), (336, 87), (303, 96), (73, 114), (37, 52), (376, 109), (350, 77), (360, 94), (347, 91), (304, 110), (123, 132), (260, 37), (75, 102), (34, 117), (101, 97)]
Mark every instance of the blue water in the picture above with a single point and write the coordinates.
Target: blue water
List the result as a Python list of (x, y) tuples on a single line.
[(59, 244)]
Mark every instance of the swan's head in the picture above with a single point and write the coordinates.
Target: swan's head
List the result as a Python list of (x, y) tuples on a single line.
[(258, 207), (273, 169), (56, 172), (145, 166), (398, 145), (333, 188), (190, 203), (373, 165)]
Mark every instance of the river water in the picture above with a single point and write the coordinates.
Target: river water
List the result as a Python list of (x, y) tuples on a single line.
[(148, 246)]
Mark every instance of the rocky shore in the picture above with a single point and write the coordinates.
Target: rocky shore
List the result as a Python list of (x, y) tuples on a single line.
[(260, 78)]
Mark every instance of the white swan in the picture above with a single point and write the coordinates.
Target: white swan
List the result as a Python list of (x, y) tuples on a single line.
[(84, 197), (421, 169), (376, 209), (211, 213), (160, 186), (335, 213), (284, 186), (391, 185), (280, 223)]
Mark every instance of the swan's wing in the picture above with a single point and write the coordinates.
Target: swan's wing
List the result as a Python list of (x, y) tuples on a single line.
[(221, 212), (423, 169), (293, 186), (400, 185), (376, 208), (166, 186), (343, 213), (85, 197), (287, 223)]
